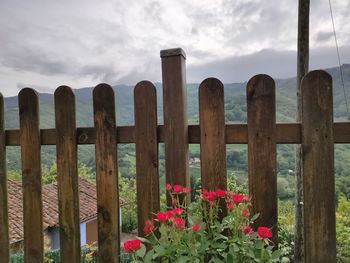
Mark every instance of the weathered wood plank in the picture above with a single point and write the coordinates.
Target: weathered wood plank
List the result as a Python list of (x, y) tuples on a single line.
[(286, 133), (4, 226), (175, 118), (31, 175), (212, 134), (213, 141), (261, 109), (318, 168), (147, 175), (106, 174), (67, 175)]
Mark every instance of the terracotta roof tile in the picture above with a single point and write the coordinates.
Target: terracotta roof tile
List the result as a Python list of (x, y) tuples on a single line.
[(88, 206)]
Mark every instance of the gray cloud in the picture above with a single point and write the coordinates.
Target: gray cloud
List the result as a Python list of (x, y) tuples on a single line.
[(278, 64), (324, 36), (83, 42)]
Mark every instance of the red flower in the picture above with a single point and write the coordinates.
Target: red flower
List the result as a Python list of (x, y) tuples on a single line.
[(220, 193), (149, 227), (178, 211), (264, 232), (186, 190), (209, 196), (196, 227), (177, 188), (238, 198), (169, 214), (180, 223), (245, 212), (162, 217), (168, 187), (132, 245), (248, 230), (230, 206)]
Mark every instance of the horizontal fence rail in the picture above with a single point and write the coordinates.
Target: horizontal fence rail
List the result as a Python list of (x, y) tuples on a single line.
[(286, 133), (316, 133)]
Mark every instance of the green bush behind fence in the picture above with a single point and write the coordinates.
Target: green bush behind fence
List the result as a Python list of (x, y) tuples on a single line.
[(54, 257)]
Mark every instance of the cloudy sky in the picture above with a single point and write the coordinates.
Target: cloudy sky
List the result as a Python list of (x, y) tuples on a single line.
[(45, 43)]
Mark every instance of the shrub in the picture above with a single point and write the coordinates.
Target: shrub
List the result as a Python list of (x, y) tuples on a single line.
[(195, 233), (343, 230)]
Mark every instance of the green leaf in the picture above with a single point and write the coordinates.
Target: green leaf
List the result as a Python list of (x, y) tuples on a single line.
[(149, 257), (276, 254), (141, 252), (255, 217)]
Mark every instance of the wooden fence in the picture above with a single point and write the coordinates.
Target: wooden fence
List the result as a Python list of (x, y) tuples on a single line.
[(316, 133)]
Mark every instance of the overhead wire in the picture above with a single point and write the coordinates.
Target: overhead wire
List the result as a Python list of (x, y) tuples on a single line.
[(339, 61)]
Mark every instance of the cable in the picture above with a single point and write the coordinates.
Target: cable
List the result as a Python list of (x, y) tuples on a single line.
[(339, 62)]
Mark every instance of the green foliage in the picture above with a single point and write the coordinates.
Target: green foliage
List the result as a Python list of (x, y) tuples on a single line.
[(342, 187), (127, 193), (88, 255), (285, 191), (286, 230), (49, 175), (343, 230), (206, 239), (236, 109)]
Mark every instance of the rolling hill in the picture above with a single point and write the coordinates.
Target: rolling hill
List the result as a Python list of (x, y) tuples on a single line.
[(235, 106)]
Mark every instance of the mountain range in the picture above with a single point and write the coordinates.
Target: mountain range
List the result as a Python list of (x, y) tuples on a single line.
[(235, 111)]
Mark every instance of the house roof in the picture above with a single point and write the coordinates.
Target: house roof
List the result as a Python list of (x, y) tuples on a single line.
[(87, 200)]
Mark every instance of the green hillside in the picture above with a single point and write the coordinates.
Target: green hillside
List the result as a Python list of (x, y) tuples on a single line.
[(235, 105)]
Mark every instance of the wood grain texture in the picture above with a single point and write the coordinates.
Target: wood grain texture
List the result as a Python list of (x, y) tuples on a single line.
[(213, 142), (4, 226), (67, 175), (106, 174), (175, 121), (31, 175), (286, 133), (318, 168), (212, 131), (147, 175), (261, 109)]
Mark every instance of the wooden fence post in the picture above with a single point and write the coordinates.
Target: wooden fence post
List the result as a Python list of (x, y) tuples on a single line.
[(175, 117), (318, 168), (147, 176), (261, 109), (31, 175), (67, 175), (106, 174), (213, 140), (4, 231)]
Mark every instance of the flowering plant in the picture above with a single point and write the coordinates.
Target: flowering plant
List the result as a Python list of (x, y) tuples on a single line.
[(195, 233)]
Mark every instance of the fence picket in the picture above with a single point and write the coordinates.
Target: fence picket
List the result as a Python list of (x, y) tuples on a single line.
[(175, 118), (106, 174), (147, 176), (4, 231), (67, 175), (318, 167), (261, 110), (212, 136), (31, 175), (317, 133)]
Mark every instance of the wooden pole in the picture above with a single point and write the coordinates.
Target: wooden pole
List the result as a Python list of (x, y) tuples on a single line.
[(175, 117), (147, 167), (318, 168), (67, 175), (4, 231), (302, 69)]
